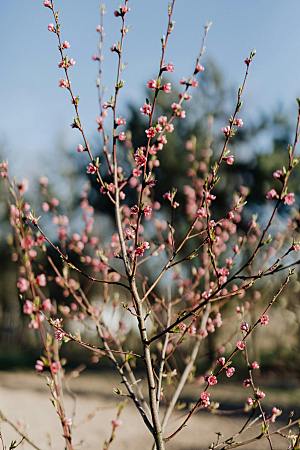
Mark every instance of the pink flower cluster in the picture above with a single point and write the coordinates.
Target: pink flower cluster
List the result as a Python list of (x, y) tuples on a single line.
[(178, 111), (91, 169), (154, 85), (204, 397), (141, 248), (288, 199)]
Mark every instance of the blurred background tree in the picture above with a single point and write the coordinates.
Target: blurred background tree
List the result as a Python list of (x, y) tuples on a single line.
[(259, 148)]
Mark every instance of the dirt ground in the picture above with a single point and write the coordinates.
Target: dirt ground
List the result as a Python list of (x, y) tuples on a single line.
[(24, 399)]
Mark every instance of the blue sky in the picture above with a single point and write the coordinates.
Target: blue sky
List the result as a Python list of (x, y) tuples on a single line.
[(35, 113)]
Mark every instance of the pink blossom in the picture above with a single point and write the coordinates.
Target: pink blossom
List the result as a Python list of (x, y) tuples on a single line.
[(241, 345), (150, 132), (229, 262), (22, 284), (146, 109), (275, 413), (167, 196), (140, 249), (296, 247), (182, 326), (185, 96), (271, 195), (250, 401), (147, 211), (201, 212), (129, 233), (230, 372), (278, 174), (100, 121), (23, 186), (63, 83), (199, 68), (59, 335), (47, 4), (152, 84), (169, 67), (95, 57), (39, 366), (162, 120), (229, 160), (80, 148), (167, 88), (169, 128), (193, 83), (203, 334), (244, 327), (212, 380), (120, 121), (54, 202), (178, 110), (136, 173), (55, 366), (260, 395), (134, 210), (122, 11), (4, 169), (122, 136), (65, 45), (91, 169), (210, 196), (192, 330), (226, 130), (210, 326), (238, 122), (218, 319), (47, 305), (236, 249), (68, 421), (41, 280), (221, 361), (116, 423), (140, 157), (28, 307), (66, 63), (114, 48), (247, 383), (204, 397), (254, 365), (289, 199), (264, 319), (51, 28)]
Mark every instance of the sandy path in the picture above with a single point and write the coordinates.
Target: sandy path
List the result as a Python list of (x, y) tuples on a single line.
[(24, 397)]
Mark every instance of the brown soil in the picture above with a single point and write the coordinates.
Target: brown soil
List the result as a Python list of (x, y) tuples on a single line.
[(24, 399)]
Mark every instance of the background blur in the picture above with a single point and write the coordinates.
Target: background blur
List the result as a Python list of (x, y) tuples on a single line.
[(36, 137)]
